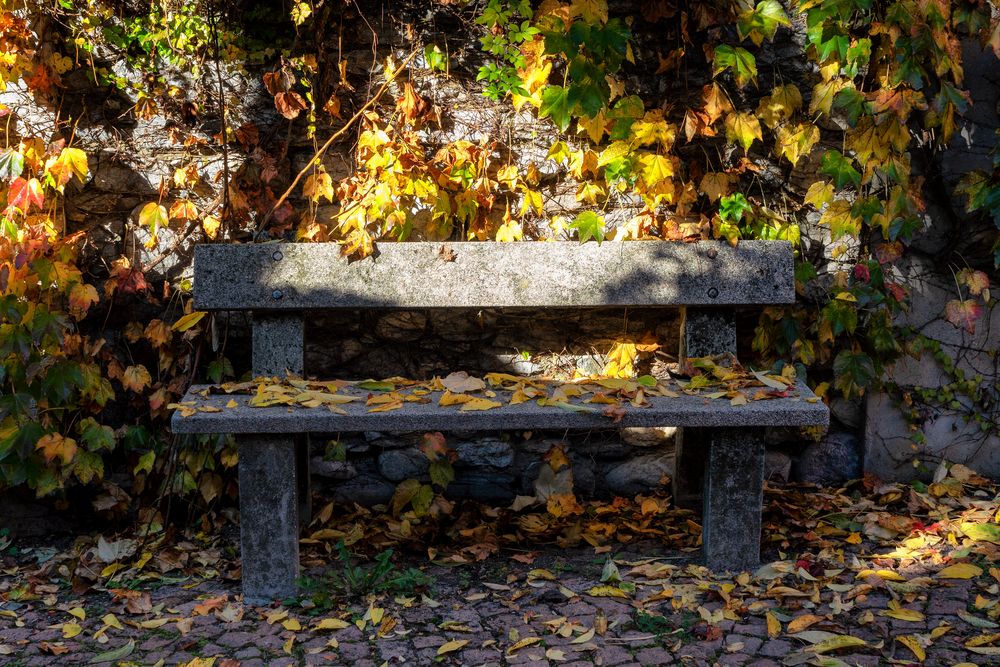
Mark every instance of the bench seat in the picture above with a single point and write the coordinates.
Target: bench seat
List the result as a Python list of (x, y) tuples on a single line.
[(800, 409)]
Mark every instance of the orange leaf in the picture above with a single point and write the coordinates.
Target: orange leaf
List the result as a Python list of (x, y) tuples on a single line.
[(53, 445), (136, 378)]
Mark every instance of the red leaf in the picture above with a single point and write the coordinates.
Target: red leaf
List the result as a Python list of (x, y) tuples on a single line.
[(963, 313)]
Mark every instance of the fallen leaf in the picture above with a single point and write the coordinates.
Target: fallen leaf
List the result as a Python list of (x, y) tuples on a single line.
[(453, 645), (960, 571)]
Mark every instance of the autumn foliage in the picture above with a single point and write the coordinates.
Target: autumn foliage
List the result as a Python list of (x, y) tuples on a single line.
[(885, 80)]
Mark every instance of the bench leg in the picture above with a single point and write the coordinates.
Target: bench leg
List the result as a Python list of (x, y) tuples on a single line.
[(269, 523), (704, 332), (733, 499), (304, 491)]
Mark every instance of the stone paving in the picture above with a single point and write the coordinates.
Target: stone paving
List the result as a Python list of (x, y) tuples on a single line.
[(545, 607)]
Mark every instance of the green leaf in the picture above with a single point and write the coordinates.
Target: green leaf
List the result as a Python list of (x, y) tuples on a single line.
[(11, 164), (442, 473), (853, 372), (732, 207), (435, 58), (88, 466), (762, 21), (555, 105), (589, 225), (375, 385), (96, 436), (852, 102), (742, 62), (114, 654), (840, 168)]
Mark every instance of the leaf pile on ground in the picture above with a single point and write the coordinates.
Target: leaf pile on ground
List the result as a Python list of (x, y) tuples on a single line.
[(867, 572)]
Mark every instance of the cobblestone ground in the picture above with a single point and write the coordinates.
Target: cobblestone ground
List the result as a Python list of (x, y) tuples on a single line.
[(546, 607)]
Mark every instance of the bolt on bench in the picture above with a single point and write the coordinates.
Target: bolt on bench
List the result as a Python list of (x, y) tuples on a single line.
[(721, 442)]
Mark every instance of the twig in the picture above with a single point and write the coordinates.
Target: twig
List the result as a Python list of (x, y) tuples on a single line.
[(225, 127), (329, 142)]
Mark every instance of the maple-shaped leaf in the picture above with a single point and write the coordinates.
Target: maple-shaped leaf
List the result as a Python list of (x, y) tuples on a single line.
[(136, 378), (153, 216), (741, 61), (23, 193), (591, 11), (779, 105), (588, 225), (81, 298), (289, 104), (761, 21), (963, 314), (819, 194), (183, 209), (54, 445), (556, 105), (318, 185), (838, 217), (716, 102), (794, 142), (823, 95), (742, 128), (840, 168), (411, 105), (509, 231), (652, 128), (655, 168), (88, 467), (715, 184), (11, 164), (977, 282), (69, 163)]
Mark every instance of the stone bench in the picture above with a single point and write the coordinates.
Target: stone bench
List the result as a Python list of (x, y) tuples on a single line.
[(721, 443)]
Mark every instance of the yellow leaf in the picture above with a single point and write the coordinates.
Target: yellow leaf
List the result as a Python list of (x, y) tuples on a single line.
[(524, 643), (453, 645), (793, 143), (886, 575), (823, 94), (188, 321), (896, 611), (779, 105), (318, 185), (913, 643), (112, 621), (479, 404), (653, 129), (78, 612), (449, 398), (291, 624), (605, 591), (773, 625), (819, 193), (210, 224), (800, 623), (835, 643), (743, 128), (232, 404), (331, 624), (960, 571), (510, 231), (287, 647), (70, 630)]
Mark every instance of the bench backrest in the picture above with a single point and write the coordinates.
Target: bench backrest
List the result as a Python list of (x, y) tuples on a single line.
[(313, 276)]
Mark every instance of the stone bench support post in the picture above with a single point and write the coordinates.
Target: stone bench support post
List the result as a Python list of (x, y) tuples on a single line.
[(734, 499), (274, 484)]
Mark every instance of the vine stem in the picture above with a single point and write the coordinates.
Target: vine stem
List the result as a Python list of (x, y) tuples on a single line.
[(225, 126), (329, 142)]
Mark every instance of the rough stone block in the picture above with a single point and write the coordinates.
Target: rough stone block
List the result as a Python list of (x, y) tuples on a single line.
[(269, 521), (733, 499), (302, 276)]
